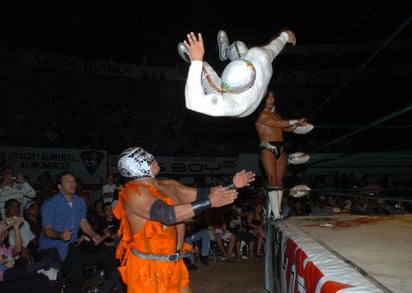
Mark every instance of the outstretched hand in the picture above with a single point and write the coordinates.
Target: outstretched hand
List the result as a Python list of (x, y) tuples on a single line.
[(301, 122), (243, 178), (194, 45), (221, 196)]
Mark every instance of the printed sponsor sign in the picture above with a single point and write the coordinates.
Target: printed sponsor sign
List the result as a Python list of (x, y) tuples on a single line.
[(189, 165), (88, 165)]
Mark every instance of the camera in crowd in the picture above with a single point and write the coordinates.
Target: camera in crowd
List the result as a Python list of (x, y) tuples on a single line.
[(10, 221)]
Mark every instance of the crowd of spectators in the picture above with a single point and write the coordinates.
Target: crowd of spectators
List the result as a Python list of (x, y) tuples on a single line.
[(346, 194), (235, 232), (24, 254)]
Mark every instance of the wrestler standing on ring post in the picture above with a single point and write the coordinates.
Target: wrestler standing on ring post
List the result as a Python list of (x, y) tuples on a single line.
[(270, 127), (244, 81)]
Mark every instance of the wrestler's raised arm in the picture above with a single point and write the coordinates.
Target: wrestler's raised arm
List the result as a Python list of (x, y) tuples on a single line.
[(166, 201), (243, 178), (195, 46), (147, 206), (189, 194)]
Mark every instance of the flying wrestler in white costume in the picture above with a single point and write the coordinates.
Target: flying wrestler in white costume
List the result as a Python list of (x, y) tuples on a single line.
[(244, 81)]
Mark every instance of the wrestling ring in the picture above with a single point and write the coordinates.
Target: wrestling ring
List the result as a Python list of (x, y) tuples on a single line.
[(342, 253)]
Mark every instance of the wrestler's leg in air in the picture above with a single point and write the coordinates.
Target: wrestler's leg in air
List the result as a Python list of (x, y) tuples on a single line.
[(211, 81), (236, 50)]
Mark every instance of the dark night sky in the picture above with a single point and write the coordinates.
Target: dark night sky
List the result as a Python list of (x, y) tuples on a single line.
[(124, 31), (127, 29)]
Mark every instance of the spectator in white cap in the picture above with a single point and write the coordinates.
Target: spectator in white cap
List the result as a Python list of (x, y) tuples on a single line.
[(32, 217)]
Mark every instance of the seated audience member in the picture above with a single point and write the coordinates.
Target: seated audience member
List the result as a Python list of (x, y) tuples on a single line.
[(15, 274), (381, 207), (108, 189), (100, 256), (95, 214), (322, 208), (364, 206), (299, 208), (12, 209), (219, 234), (256, 225), (342, 206), (108, 225), (238, 226), (197, 232), (32, 217), (371, 187), (14, 187), (399, 208), (63, 215), (103, 255)]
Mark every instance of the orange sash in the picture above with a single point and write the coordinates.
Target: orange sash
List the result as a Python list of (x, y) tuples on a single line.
[(142, 275)]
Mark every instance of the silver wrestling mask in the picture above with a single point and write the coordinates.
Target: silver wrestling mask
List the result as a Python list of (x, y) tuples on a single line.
[(134, 163), (238, 76)]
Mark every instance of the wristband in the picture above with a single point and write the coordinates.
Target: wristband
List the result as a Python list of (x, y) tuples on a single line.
[(202, 193), (201, 205), (293, 122), (230, 186)]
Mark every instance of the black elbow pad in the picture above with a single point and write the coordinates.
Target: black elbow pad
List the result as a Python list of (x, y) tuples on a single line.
[(162, 212)]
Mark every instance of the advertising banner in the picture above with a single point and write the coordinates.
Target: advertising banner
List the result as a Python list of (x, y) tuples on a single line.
[(88, 165)]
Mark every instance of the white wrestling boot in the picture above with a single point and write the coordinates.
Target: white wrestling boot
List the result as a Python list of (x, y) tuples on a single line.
[(280, 196), (223, 44), (183, 52), (275, 205), (237, 50)]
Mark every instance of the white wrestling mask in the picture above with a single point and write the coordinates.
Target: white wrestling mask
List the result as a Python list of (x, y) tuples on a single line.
[(134, 163), (238, 76), (299, 190), (298, 158), (303, 129)]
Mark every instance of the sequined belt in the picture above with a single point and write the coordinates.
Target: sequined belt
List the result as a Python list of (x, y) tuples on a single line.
[(168, 257)]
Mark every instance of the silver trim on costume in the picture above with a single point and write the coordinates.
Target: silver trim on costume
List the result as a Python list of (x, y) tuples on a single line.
[(168, 257), (267, 145)]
